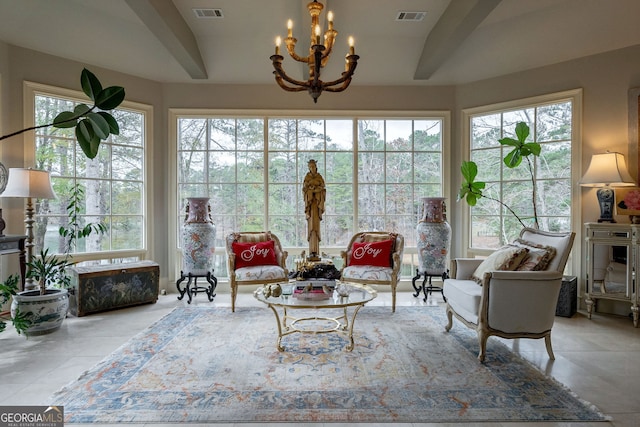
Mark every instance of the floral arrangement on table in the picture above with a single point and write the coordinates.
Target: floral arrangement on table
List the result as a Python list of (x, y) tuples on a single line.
[(629, 203)]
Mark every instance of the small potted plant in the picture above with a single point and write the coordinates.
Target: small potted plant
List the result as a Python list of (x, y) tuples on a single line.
[(46, 308)]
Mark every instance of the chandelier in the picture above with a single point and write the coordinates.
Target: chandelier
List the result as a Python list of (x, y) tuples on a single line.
[(318, 57)]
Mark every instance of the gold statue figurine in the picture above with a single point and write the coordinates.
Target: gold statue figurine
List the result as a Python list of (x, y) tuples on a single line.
[(314, 192)]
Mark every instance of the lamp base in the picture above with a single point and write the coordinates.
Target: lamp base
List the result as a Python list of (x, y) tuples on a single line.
[(606, 200)]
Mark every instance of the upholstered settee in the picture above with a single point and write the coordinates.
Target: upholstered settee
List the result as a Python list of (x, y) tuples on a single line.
[(255, 258), (514, 292), (362, 263)]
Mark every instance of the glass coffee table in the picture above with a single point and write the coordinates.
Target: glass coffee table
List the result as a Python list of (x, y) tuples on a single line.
[(358, 296)]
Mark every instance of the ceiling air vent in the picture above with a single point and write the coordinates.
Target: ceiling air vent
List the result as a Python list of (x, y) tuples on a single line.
[(410, 16), (208, 13)]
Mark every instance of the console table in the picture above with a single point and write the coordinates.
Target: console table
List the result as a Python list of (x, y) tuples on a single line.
[(613, 258), (15, 245)]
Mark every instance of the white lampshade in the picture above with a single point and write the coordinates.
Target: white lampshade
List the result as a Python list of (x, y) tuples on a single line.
[(607, 169), (29, 183)]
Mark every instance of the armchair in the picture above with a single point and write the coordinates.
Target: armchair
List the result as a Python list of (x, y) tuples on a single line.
[(374, 268), (254, 258), (519, 303)]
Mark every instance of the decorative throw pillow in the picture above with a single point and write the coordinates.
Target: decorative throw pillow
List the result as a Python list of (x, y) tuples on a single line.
[(507, 258), (538, 258), (372, 253), (251, 254)]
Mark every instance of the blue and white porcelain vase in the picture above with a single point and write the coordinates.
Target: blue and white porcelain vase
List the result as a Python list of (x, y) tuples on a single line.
[(434, 237), (198, 238)]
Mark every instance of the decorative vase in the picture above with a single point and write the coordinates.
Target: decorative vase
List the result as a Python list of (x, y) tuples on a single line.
[(198, 238), (434, 237), (46, 312)]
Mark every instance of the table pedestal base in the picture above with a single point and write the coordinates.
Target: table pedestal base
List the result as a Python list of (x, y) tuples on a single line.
[(430, 288), (192, 290), (342, 325)]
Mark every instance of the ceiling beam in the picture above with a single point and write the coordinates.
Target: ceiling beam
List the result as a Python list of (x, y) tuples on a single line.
[(457, 22), (168, 25)]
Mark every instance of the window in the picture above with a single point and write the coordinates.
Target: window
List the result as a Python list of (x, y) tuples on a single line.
[(113, 183), (375, 171), (552, 125)]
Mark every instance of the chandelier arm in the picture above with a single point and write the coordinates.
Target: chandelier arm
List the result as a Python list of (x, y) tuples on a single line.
[(353, 63), (294, 55), (279, 72), (344, 85), (282, 84)]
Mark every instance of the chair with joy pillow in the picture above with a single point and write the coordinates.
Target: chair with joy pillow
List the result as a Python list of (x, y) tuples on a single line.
[(255, 258), (374, 258)]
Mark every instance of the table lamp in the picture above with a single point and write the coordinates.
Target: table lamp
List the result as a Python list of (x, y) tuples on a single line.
[(605, 171), (30, 184)]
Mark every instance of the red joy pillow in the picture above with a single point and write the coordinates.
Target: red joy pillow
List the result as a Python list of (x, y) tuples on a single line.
[(254, 253), (372, 253)]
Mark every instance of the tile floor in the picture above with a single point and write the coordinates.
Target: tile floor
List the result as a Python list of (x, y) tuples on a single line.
[(598, 359)]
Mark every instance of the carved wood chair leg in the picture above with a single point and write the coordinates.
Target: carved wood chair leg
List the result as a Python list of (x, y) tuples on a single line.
[(450, 317), (547, 341), (482, 338), (393, 299), (234, 291)]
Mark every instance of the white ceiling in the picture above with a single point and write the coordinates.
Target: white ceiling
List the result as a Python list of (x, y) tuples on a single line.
[(163, 40)]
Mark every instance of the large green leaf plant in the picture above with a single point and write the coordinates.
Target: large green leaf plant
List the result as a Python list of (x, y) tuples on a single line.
[(92, 124), (471, 190)]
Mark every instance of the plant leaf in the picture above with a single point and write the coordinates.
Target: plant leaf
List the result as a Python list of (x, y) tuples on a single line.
[(533, 147), (477, 187), (509, 141), (81, 109), (469, 171), (88, 140), (66, 119), (513, 159), (114, 128), (522, 131), (99, 124), (472, 199), (110, 98), (91, 86)]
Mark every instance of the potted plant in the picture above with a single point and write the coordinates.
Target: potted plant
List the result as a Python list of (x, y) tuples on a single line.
[(44, 309), (471, 190), (8, 289)]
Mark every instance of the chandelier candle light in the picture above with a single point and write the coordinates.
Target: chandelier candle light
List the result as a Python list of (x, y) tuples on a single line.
[(318, 56)]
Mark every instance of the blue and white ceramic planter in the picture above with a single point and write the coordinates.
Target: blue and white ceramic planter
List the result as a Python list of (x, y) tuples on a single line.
[(434, 237), (198, 238), (48, 310)]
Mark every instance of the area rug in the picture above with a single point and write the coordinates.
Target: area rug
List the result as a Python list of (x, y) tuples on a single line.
[(200, 364)]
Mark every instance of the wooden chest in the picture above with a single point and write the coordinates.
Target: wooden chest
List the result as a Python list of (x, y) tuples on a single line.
[(112, 286)]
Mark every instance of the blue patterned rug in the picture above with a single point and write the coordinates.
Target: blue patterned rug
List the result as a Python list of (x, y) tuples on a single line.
[(200, 364)]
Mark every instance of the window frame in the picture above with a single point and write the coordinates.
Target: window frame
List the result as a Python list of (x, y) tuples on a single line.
[(176, 113), (30, 91), (575, 98)]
